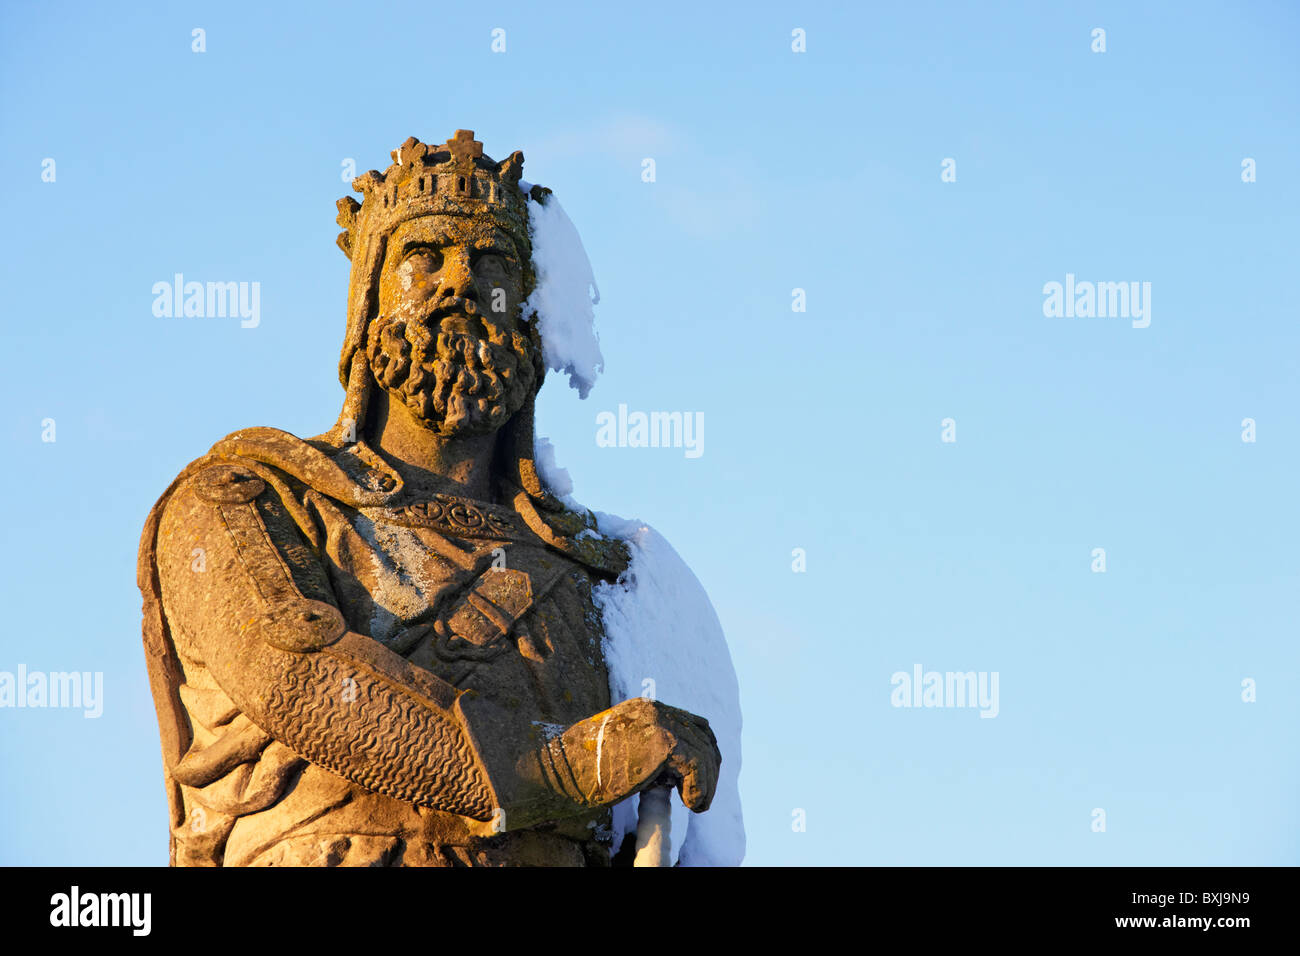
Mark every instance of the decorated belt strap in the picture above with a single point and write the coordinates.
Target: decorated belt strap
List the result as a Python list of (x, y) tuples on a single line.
[(461, 517)]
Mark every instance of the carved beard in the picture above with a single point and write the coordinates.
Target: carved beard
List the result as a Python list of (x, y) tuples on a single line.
[(454, 382)]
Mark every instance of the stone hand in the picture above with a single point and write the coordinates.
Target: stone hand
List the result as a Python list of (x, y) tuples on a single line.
[(638, 744)]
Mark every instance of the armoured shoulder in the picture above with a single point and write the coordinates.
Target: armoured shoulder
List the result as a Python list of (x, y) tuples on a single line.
[(229, 547), (575, 535)]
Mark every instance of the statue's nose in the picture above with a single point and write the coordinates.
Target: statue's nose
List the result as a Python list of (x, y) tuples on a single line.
[(457, 276)]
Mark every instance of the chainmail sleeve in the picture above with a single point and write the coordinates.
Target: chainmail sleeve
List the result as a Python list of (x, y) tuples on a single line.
[(231, 590)]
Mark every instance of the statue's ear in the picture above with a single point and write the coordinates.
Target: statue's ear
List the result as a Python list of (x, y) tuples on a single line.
[(347, 218), (511, 168), (533, 327)]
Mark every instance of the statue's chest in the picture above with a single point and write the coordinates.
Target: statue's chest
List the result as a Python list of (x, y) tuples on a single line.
[(474, 597)]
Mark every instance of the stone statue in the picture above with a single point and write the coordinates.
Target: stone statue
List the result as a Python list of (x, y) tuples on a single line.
[(379, 646)]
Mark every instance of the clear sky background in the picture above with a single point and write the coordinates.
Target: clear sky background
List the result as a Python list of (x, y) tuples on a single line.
[(775, 170)]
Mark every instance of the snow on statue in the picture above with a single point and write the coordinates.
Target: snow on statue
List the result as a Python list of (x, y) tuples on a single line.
[(659, 623)]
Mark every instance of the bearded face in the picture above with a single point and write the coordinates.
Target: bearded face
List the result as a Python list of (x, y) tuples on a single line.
[(447, 342)]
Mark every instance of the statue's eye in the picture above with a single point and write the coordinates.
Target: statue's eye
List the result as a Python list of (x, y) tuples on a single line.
[(492, 263), (423, 258)]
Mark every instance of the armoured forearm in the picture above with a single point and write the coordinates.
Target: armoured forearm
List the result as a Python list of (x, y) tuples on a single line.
[(340, 714)]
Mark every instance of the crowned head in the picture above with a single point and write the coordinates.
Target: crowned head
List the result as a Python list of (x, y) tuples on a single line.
[(442, 265)]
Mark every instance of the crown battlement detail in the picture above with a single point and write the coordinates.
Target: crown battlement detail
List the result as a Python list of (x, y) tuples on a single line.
[(454, 178)]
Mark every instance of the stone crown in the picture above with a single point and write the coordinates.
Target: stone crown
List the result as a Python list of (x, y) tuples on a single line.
[(454, 179)]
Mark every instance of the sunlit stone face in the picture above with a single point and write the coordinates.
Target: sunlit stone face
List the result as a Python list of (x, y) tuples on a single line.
[(448, 341)]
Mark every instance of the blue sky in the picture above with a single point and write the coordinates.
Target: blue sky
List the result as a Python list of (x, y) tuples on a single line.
[(775, 170)]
